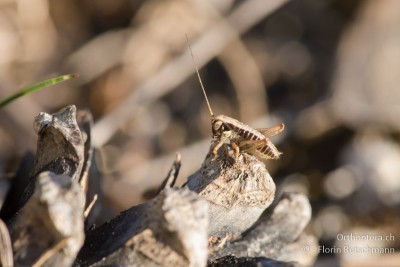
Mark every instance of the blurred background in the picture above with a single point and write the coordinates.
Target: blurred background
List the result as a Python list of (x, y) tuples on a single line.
[(328, 69)]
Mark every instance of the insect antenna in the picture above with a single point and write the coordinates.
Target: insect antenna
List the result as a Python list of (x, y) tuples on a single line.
[(198, 76)]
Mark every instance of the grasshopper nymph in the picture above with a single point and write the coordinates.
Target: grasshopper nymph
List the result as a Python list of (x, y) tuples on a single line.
[(242, 137)]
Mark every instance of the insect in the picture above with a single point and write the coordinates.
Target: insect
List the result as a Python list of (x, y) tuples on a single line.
[(241, 136)]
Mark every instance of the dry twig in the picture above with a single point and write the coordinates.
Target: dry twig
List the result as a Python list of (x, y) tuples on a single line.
[(49, 253), (6, 254), (89, 208)]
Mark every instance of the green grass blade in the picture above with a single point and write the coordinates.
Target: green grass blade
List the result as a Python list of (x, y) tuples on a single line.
[(35, 87)]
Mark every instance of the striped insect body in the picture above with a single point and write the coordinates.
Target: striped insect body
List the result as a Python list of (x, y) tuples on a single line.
[(241, 136), (244, 138)]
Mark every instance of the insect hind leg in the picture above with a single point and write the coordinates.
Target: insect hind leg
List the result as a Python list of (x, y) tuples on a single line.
[(251, 144), (264, 148), (225, 136), (216, 148)]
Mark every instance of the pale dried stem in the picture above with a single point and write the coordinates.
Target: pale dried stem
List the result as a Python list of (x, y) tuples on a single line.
[(247, 82), (89, 208), (49, 253), (6, 254), (173, 173)]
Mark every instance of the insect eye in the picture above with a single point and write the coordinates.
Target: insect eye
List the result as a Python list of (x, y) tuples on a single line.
[(217, 125)]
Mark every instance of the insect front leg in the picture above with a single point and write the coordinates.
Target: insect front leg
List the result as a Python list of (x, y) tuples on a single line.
[(225, 136), (236, 147)]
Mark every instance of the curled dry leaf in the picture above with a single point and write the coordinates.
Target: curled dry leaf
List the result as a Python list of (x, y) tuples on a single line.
[(278, 234), (169, 230), (60, 143), (52, 214), (47, 226), (60, 147)]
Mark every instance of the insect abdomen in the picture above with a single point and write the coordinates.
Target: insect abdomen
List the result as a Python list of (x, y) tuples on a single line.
[(266, 151), (246, 134), (269, 150)]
